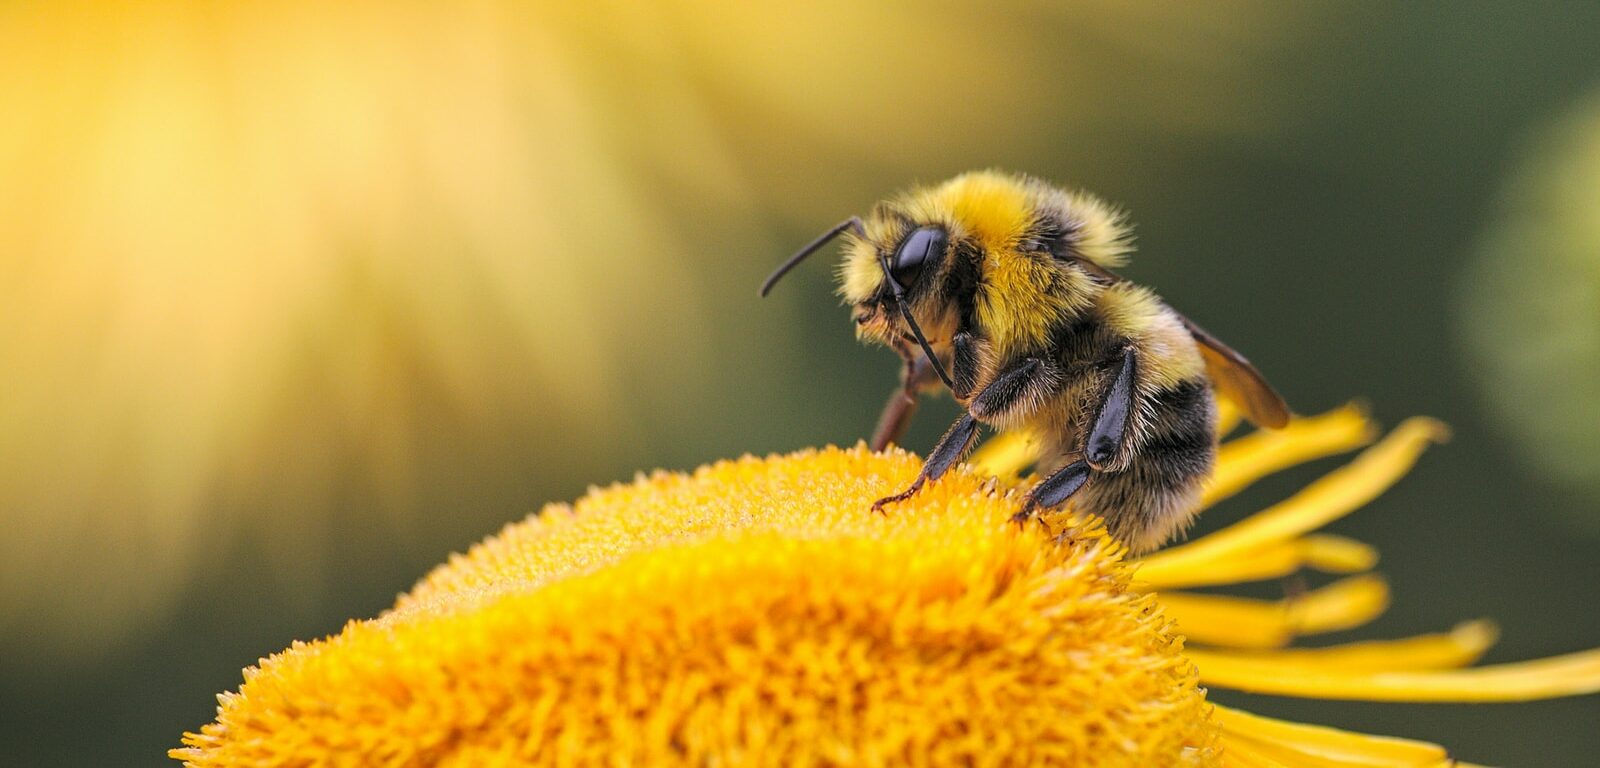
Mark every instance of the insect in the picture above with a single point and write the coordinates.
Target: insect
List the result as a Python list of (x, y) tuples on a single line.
[(1000, 287)]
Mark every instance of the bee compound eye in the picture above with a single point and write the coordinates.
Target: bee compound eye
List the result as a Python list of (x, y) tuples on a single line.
[(918, 248)]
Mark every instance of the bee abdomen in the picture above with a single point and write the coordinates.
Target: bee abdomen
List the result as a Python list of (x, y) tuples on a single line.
[(1180, 433)]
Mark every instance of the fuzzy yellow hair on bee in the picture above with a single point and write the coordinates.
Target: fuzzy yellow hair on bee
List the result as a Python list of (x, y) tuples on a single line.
[(1001, 287)]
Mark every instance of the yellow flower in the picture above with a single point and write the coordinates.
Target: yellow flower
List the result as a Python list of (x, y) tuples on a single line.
[(756, 611)]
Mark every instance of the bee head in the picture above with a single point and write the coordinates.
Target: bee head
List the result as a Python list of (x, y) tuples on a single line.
[(891, 266), (898, 265), (896, 276)]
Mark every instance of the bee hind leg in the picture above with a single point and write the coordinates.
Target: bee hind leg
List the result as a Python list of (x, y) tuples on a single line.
[(950, 449), (1110, 429), (1054, 490), (1107, 435)]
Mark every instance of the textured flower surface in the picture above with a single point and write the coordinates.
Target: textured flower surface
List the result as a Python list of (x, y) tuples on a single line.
[(754, 611)]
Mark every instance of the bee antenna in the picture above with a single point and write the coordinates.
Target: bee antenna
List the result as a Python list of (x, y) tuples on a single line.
[(853, 223), (916, 330)]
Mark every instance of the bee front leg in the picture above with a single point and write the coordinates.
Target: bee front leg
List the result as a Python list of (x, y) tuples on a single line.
[(1107, 435), (1019, 384), (916, 377), (895, 419), (950, 449)]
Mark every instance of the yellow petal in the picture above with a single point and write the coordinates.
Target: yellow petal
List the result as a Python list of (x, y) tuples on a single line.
[(1334, 495), (1245, 460), (1324, 552), (1244, 623), (1459, 647), (1228, 417), (1337, 554), (1569, 675), (1314, 745), (1242, 753)]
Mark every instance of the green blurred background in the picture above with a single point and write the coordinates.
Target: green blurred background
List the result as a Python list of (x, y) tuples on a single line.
[(299, 300)]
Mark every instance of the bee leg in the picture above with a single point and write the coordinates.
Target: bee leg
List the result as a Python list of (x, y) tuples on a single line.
[(963, 364), (1110, 428), (902, 405), (1106, 437), (1054, 490), (918, 377), (895, 419), (950, 449), (1021, 382)]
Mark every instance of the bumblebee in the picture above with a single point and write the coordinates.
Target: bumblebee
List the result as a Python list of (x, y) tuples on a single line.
[(1001, 288)]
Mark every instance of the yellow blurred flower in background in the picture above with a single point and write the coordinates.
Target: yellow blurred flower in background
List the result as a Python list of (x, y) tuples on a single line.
[(1530, 309), (265, 258), (757, 612), (243, 241)]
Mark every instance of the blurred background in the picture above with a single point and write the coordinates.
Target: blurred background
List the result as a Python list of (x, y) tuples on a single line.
[(297, 300)]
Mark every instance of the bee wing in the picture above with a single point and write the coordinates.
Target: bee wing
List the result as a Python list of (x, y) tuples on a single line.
[(1236, 379), (1231, 374)]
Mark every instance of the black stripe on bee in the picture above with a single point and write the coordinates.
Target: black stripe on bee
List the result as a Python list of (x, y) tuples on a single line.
[(1180, 443), (1085, 340), (1048, 234)]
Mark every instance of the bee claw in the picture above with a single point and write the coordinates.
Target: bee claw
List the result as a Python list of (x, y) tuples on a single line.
[(877, 506)]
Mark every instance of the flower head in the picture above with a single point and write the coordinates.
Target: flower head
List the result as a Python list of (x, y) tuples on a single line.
[(752, 608), (756, 611)]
